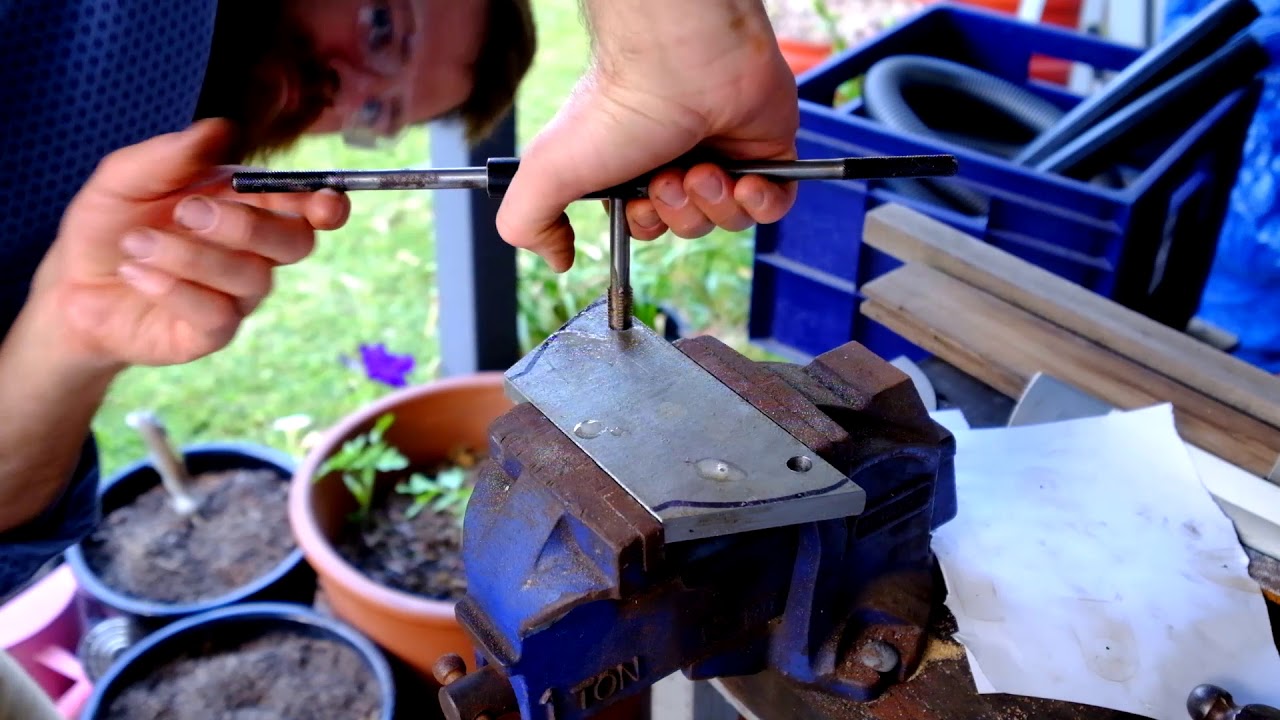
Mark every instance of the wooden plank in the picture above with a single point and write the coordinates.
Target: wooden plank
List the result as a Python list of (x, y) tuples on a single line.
[(913, 237), (1249, 450), (1258, 525), (959, 329), (1005, 346)]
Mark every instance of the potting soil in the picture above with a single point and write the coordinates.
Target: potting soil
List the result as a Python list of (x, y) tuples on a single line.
[(420, 555), (280, 675), (240, 533)]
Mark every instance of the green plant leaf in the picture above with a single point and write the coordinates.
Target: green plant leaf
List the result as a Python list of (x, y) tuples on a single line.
[(443, 502), (418, 483), (452, 479), (380, 426), (345, 458), (353, 484), (390, 459)]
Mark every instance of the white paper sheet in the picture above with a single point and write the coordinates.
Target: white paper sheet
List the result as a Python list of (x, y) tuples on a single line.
[(1089, 564)]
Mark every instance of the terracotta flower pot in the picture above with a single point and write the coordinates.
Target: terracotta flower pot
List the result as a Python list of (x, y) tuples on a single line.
[(431, 421)]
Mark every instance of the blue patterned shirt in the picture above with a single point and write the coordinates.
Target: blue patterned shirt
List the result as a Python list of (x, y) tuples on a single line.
[(79, 79)]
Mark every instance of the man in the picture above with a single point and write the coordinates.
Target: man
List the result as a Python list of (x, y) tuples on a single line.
[(151, 259), (156, 262)]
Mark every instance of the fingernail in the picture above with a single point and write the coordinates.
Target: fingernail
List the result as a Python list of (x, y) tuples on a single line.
[(647, 217), (145, 281), (672, 194), (754, 200), (138, 244), (196, 213), (709, 187)]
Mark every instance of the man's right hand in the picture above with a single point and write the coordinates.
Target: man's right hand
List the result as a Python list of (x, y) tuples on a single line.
[(667, 77), (157, 260)]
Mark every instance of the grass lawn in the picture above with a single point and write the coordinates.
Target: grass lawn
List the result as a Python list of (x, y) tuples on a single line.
[(374, 282)]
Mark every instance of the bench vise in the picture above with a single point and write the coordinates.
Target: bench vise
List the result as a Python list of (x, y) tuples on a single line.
[(651, 507)]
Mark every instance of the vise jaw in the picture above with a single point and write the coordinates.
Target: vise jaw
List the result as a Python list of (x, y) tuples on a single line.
[(583, 591)]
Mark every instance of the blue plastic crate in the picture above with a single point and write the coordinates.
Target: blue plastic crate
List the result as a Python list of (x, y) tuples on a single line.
[(809, 266)]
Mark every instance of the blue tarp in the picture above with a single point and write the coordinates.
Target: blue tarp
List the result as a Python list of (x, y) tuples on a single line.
[(1243, 292)]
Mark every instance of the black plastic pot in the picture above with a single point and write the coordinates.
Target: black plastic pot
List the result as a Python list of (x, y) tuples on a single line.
[(292, 580), (224, 628)]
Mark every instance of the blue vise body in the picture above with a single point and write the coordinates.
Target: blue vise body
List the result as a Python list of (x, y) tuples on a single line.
[(577, 599)]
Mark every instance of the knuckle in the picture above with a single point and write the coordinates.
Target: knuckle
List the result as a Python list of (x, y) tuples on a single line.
[(108, 165), (299, 248), (175, 253), (207, 263), (205, 315), (223, 324), (239, 274), (736, 220), (511, 232), (221, 319), (236, 226), (724, 214), (772, 212), (257, 276)]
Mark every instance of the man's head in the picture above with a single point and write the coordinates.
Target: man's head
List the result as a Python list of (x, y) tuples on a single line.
[(282, 68)]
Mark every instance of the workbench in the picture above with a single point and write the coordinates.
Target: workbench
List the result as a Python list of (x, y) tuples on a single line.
[(943, 686)]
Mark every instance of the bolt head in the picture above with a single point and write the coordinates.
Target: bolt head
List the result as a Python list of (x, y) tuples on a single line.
[(449, 668), (879, 656), (1209, 702)]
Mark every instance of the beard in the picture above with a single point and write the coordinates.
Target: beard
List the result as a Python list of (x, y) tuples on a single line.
[(257, 52)]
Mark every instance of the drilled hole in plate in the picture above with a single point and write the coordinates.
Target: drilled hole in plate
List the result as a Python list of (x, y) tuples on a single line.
[(800, 464)]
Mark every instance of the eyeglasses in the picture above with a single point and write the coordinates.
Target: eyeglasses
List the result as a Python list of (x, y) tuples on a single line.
[(390, 29)]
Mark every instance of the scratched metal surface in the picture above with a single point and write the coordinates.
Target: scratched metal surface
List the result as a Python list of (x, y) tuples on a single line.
[(312, 180), (704, 461)]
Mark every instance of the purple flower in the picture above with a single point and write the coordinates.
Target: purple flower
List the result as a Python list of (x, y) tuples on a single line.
[(384, 366)]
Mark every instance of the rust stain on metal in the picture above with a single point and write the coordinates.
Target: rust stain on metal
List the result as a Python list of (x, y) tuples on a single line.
[(772, 394), (531, 449), (940, 689)]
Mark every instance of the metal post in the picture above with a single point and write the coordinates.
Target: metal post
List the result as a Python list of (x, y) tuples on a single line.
[(475, 269)]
